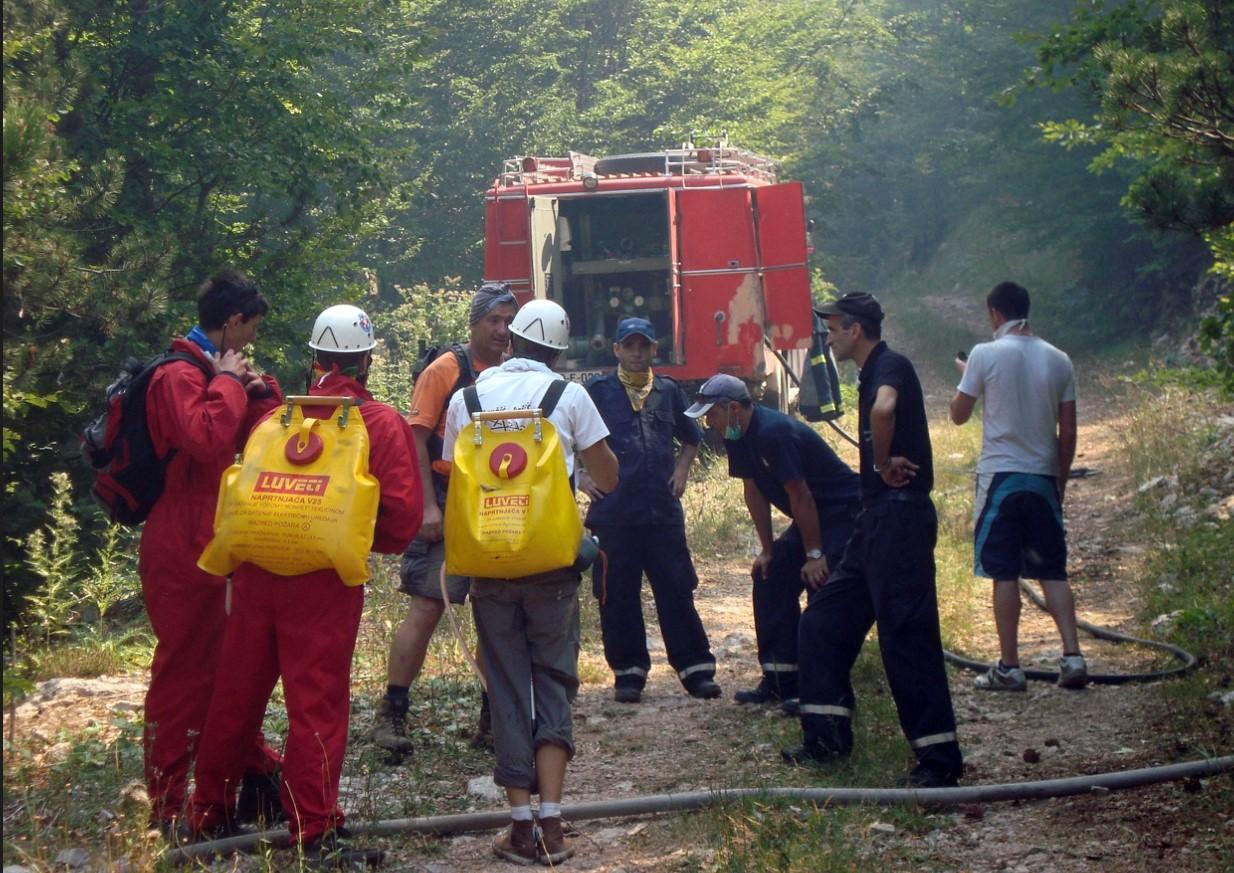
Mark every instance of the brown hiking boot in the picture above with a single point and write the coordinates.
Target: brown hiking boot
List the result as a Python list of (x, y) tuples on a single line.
[(552, 849), (389, 730), (517, 843)]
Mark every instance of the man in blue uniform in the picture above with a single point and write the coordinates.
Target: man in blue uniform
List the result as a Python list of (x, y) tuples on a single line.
[(784, 463), (887, 572), (640, 525)]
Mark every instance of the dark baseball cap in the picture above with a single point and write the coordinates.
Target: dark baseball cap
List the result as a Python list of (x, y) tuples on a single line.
[(631, 326), (857, 304), (719, 387)]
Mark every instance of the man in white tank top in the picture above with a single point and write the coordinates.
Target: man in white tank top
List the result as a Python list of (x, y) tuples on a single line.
[(1027, 388)]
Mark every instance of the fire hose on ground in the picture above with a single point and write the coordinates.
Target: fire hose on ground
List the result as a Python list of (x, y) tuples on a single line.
[(1188, 660), (1097, 783), (445, 825)]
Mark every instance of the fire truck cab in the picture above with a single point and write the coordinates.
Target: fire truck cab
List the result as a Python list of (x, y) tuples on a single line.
[(703, 242)]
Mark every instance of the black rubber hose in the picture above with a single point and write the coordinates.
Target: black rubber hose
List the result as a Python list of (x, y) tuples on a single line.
[(1099, 783), (1188, 660)]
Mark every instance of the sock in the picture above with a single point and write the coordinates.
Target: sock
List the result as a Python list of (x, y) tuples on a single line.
[(550, 810), (400, 696), (520, 813), (1003, 668), (1071, 655)]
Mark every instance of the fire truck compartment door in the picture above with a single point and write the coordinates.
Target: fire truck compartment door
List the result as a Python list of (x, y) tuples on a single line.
[(545, 257), (782, 257), (507, 247), (722, 305)]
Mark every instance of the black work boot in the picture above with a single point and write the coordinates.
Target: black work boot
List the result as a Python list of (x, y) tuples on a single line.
[(762, 693), (259, 800), (333, 850), (812, 751)]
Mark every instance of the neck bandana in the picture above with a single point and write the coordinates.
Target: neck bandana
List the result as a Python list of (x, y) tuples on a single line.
[(1008, 326), (197, 335), (637, 385)]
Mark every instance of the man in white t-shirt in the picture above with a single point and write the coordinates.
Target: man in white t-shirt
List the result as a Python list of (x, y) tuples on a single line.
[(1028, 391), (528, 628)]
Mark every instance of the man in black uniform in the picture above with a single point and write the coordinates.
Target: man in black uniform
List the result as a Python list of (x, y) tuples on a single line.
[(641, 527), (784, 463), (887, 572)]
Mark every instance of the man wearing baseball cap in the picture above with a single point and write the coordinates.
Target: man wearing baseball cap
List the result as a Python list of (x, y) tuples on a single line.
[(886, 575), (784, 463), (640, 525)]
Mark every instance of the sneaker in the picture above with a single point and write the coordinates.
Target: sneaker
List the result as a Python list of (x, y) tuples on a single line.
[(333, 851), (763, 693), (1000, 678), (482, 738), (1072, 671), (923, 776), (389, 730), (811, 753), (627, 694), (705, 689), (517, 843), (551, 847), (259, 799), (791, 706)]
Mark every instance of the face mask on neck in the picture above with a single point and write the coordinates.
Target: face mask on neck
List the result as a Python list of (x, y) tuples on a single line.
[(732, 432), (1008, 326)]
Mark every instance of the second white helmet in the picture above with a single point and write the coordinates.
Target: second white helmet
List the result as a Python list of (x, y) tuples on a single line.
[(342, 328), (542, 322)]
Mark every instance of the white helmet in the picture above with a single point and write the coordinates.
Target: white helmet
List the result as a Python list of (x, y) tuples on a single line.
[(544, 323), (342, 328)]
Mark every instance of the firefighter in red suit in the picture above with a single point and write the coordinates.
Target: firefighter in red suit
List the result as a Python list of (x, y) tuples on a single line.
[(304, 628), (204, 421)]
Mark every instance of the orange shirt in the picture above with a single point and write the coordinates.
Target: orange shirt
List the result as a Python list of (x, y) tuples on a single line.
[(431, 397)]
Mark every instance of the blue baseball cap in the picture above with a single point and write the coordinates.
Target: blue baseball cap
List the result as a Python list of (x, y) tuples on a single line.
[(719, 388), (631, 326)]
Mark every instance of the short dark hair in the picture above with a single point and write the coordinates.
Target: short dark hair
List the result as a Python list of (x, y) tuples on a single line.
[(342, 359), (525, 348), (869, 329), (227, 292), (1009, 300)]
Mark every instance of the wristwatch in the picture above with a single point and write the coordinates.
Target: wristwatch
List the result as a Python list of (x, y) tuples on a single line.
[(814, 554)]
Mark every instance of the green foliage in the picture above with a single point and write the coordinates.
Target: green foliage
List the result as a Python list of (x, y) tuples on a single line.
[(52, 555), (145, 144), (111, 577), (1162, 75), (1217, 330)]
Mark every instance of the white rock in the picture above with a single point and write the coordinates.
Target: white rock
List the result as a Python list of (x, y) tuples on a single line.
[(73, 858), (1168, 502), (1165, 618), (1158, 482), (484, 787), (15, 868), (882, 827)]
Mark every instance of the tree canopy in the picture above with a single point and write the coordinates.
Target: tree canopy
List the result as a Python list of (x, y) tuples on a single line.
[(338, 150)]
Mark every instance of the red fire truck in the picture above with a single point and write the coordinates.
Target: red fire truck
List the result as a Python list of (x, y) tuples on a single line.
[(704, 242)]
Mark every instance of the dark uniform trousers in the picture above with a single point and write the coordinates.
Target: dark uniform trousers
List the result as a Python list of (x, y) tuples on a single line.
[(777, 600), (661, 552), (886, 577)]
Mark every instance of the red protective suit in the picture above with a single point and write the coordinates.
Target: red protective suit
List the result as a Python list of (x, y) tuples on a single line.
[(304, 629), (205, 422)]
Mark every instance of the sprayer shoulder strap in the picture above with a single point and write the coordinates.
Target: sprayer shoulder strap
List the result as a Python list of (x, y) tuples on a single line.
[(548, 402)]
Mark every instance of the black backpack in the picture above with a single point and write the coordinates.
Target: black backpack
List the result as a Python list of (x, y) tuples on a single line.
[(466, 377), (119, 446)]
